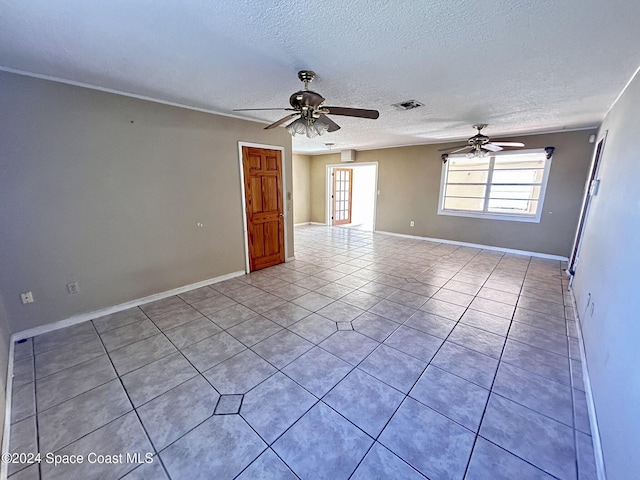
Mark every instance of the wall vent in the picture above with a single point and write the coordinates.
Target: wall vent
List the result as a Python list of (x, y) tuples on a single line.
[(408, 105)]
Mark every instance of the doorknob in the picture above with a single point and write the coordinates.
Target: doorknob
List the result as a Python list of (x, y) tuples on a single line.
[(282, 215)]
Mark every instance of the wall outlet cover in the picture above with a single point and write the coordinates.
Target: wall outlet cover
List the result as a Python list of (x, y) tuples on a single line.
[(26, 297)]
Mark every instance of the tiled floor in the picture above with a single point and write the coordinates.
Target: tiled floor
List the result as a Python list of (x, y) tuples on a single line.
[(367, 357)]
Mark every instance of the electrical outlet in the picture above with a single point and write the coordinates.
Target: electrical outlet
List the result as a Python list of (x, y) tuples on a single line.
[(26, 297), (72, 288), (412, 223)]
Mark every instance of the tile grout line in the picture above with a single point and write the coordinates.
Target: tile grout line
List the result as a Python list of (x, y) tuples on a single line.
[(406, 395), (132, 406), (484, 411), (239, 414), (318, 399), (573, 395), (198, 374), (390, 272), (35, 400), (491, 392)]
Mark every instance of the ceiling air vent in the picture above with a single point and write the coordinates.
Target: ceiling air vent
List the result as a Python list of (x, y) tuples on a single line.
[(408, 105)]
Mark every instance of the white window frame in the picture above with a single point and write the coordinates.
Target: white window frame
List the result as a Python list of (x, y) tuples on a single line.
[(497, 216)]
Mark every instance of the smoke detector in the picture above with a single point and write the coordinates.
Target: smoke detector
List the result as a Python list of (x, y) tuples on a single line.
[(408, 105)]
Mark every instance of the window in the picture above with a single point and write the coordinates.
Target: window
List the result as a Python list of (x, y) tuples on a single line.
[(502, 186)]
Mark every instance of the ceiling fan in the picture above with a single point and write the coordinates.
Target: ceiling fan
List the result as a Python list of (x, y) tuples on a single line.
[(480, 144), (312, 114)]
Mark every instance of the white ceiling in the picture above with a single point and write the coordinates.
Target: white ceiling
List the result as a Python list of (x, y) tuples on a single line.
[(523, 66)]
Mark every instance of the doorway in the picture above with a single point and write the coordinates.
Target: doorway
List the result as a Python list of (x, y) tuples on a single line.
[(591, 191), (352, 195), (262, 176)]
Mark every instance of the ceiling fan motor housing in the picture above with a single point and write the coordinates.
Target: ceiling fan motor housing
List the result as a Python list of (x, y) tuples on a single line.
[(478, 140), (305, 98)]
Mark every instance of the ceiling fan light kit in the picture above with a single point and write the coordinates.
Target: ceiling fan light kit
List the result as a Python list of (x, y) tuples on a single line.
[(311, 127), (312, 118), (476, 153)]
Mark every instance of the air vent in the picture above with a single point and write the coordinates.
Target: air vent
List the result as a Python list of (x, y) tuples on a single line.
[(348, 156), (408, 105)]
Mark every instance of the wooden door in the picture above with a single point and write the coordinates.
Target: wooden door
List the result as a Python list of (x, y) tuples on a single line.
[(264, 204), (342, 195)]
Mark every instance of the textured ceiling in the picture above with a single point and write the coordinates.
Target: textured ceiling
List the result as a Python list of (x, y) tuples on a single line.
[(523, 66)]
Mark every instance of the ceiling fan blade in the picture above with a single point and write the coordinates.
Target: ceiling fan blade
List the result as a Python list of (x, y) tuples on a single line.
[(333, 126), (509, 144), (460, 149), (492, 147), (280, 122), (450, 148), (352, 112), (256, 109)]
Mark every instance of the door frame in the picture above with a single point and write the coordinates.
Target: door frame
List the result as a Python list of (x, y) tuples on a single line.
[(587, 202), (329, 189), (243, 198)]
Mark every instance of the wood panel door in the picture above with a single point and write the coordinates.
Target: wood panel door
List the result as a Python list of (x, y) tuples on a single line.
[(265, 213), (342, 195)]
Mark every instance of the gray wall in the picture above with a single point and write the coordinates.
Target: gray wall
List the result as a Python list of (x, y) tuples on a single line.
[(106, 190), (409, 184), (608, 270), (301, 189), (4, 361)]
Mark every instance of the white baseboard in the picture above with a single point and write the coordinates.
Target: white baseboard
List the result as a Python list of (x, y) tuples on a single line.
[(477, 245), (301, 224), (318, 223), (4, 468), (83, 317), (290, 259), (591, 406)]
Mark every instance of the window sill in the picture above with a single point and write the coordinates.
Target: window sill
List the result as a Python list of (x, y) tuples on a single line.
[(491, 216)]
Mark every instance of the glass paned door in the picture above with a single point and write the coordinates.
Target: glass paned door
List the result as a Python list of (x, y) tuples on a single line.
[(342, 193)]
